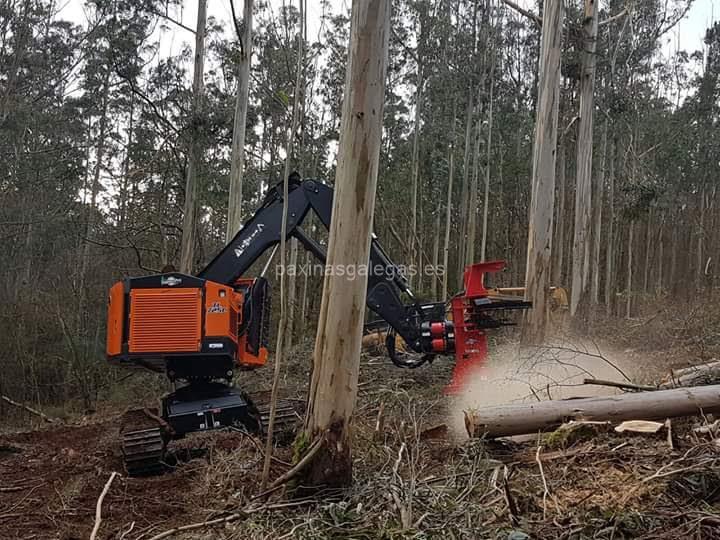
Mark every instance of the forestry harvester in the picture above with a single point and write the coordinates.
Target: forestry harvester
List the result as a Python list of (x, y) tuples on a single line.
[(199, 329)]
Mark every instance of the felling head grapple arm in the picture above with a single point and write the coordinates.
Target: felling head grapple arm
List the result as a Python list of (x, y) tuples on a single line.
[(423, 327), (202, 327), (262, 231)]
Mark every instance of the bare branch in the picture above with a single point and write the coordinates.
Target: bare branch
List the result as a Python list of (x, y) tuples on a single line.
[(614, 17), (168, 18), (529, 14), (98, 506)]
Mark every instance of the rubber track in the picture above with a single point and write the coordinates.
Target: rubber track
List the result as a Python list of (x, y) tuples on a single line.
[(143, 451)]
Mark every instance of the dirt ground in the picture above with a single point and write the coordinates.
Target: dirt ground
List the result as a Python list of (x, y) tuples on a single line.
[(410, 481)]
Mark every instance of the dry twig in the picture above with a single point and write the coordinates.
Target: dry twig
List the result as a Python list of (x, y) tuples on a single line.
[(227, 519), (297, 469), (623, 385), (546, 491), (98, 506), (30, 410)]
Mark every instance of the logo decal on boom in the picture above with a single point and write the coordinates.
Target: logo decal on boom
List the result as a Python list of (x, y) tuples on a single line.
[(245, 243)]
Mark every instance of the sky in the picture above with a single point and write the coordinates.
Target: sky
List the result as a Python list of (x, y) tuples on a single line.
[(688, 35)]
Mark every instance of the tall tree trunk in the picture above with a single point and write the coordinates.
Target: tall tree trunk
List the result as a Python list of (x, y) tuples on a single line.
[(415, 248), (699, 255), (661, 256), (610, 246), (472, 201), (287, 295), (540, 228), (336, 361), (237, 157), (465, 187), (187, 243), (488, 161), (290, 151), (436, 255), (559, 240), (674, 255), (648, 252), (448, 214), (595, 269), (583, 188), (92, 209), (122, 210), (629, 282)]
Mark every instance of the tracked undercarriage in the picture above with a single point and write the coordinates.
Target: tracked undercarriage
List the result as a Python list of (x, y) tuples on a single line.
[(145, 435)]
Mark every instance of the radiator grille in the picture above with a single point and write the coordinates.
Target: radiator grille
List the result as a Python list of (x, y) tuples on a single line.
[(165, 320)]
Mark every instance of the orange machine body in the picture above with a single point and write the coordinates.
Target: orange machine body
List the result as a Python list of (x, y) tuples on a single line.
[(186, 326)]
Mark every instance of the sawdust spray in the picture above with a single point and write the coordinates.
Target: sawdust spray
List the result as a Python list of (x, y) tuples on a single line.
[(512, 376)]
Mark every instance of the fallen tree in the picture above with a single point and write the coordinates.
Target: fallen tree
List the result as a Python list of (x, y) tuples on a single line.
[(522, 418)]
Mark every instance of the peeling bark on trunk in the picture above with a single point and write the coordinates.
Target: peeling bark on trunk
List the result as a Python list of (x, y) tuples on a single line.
[(336, 360), (237, 158), (540, 228), (187, 244), (583, 188)]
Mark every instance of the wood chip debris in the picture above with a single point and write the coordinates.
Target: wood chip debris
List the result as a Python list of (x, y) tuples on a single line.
[(639, 426)]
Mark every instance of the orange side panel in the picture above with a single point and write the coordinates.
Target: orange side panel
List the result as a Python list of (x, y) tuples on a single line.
[(165, 320), (248, 360), (219, 311), (115, 322)]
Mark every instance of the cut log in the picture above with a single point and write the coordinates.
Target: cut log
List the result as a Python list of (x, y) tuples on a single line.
[(694, 376), (522, 418)]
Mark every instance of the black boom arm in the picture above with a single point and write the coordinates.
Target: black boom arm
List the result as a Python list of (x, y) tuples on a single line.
[(262, 231)]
